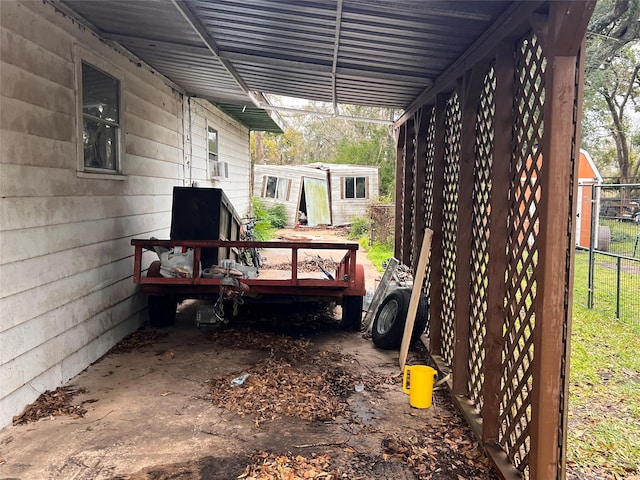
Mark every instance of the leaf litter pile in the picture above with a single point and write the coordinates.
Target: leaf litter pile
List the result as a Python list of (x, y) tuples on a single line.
[(293, 381), (270, 466), (137, 340), (438, 453), (53, 403)]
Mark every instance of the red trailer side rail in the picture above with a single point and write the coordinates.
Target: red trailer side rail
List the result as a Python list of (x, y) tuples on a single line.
[(347, 288)]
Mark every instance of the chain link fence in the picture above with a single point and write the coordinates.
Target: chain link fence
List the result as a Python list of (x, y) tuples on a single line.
[(607, 267)]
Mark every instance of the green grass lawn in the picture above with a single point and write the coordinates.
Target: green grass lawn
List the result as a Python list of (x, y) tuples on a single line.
[(623, 236), (605, 288), (604, 398)]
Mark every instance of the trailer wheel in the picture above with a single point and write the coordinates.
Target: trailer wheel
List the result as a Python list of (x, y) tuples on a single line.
[(162, 310), (351, 313), (390, 319)]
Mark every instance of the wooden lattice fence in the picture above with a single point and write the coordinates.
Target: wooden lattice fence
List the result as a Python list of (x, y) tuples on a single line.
[(488, 163)]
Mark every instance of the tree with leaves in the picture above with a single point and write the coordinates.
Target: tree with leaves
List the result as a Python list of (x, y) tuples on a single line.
[(612, 86), (310, 139)]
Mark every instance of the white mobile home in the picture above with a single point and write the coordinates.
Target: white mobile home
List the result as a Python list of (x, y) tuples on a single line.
[(321, 194), (92, 142)]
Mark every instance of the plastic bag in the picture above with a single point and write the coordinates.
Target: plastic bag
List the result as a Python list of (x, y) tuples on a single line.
[(176, 263)]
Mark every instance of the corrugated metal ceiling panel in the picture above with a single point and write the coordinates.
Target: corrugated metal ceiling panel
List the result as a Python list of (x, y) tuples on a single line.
[(368, 52)]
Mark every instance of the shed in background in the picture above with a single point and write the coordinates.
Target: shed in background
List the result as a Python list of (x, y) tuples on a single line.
[(318, 194), (588, 177)]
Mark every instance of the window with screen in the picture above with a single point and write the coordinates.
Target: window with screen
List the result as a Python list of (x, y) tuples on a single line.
[(355, 187), (100, 120), (275, 187)]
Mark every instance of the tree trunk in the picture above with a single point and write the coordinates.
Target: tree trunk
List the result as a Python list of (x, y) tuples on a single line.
[(258, 145)]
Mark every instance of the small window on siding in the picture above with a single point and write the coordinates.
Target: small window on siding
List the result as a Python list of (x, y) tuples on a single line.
[(276, 188), (355, 187), (212, 144), (100, 120)]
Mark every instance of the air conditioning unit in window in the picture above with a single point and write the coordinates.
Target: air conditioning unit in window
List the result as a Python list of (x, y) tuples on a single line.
[(218, 170)]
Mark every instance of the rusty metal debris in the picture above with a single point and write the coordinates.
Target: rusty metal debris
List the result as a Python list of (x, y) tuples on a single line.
[(53, 403)]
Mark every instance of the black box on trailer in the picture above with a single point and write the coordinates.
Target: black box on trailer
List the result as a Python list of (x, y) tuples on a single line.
[(204, 214)]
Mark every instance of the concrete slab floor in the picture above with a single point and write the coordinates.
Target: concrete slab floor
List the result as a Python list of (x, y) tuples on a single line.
[(152, 415)]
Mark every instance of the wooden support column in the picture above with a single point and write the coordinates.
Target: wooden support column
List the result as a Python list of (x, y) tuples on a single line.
[(409, 159), (400, 142), (471, 90), (567, 333), (422, 123), (566, 27), (499, 204), (435, 292)]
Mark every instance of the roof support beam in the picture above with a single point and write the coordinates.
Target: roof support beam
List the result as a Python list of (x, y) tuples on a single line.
[(336, 47), (213, 47), (509, 21)]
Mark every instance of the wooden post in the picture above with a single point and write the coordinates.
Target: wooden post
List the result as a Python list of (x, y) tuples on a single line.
[(419, 181), (499, 203), (435, 292), (566, 27), (567, 333), (407, 217), (471, 91), (400, 141)]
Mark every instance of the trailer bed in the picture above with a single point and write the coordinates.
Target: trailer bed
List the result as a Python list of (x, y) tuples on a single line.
[(346, 288)]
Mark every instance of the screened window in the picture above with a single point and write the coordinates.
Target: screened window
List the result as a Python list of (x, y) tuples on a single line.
[(100, 118), (212, 144), (276, 188), (355, 187)]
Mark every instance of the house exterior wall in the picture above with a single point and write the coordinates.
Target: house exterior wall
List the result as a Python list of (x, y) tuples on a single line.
[(233, 148), (342, 209), (66, 289), (295, 174)]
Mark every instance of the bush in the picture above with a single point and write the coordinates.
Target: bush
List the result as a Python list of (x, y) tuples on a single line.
[(262, 230), (268, 219), (359, 227), (277, 215)]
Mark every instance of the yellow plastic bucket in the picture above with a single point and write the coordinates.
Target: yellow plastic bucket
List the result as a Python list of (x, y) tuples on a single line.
[(420, 389)]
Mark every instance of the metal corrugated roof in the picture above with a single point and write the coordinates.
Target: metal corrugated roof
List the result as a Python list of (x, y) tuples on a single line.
[(254, 117), (362, 52)]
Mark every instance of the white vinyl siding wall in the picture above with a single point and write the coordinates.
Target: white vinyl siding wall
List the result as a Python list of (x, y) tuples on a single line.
[(66, 289), (233, 148)]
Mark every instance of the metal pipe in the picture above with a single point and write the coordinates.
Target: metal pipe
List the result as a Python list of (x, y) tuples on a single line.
[(591, 248), (326, 114), (618, 287)]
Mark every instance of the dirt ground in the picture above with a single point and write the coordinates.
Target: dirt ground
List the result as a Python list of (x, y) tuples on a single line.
[(318, 402)]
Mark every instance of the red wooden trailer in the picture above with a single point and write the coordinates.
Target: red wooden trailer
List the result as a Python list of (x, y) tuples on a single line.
[(347, 287)]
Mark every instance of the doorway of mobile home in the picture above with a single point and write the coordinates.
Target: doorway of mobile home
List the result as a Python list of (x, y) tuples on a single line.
[(314, 201)]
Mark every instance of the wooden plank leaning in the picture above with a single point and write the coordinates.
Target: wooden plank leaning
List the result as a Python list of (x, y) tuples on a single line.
[(418, 280)]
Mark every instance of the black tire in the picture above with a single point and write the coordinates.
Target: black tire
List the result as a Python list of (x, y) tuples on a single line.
[(351, 313), (388, 325), (162, 310)]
